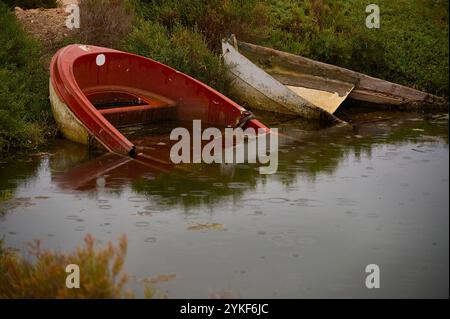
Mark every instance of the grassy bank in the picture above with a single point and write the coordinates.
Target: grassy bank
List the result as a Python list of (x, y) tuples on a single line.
[(410, 48), (24, 108)]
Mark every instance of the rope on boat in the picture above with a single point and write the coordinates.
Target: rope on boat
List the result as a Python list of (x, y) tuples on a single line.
[(245, 117)]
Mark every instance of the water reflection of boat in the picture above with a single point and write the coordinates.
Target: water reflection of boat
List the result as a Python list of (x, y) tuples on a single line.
[(272, 80), (303, 152), (308, 155), (95, 91), (107, 170)]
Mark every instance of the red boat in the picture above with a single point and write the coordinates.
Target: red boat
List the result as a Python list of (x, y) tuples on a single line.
[(96, 91)]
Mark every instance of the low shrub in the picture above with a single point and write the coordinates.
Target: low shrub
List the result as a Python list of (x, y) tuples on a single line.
[(105, 22), (215, 19), (101, 272), (326, 31), (248, 20)]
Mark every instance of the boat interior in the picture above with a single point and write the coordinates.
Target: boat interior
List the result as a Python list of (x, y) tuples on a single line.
[(131, 90), (124, 106), (145, 100)]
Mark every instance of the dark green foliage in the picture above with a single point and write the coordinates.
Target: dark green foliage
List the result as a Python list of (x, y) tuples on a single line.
[(411, 46), (247, 19), (24, 106)]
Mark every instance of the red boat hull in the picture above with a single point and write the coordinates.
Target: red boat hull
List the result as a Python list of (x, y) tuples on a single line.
[(97, 84)]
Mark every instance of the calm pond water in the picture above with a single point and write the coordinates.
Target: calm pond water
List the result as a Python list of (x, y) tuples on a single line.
[(341, 199)]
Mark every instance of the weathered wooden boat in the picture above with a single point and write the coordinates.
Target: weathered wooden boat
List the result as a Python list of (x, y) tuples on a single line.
[(264, 78), (95, 91)]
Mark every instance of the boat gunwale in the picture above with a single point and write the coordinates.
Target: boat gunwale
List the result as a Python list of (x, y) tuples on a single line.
[(68, 81)]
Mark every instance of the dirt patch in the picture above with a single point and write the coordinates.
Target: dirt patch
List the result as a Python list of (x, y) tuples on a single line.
[(47, 25)]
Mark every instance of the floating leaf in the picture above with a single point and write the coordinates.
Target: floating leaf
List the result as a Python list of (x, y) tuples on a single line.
[(205, 227)]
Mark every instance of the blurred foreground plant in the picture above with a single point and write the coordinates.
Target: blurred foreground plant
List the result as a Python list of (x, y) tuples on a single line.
[(101, 272)]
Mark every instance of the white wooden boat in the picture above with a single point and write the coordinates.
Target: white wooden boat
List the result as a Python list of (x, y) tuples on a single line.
[(276, 81)]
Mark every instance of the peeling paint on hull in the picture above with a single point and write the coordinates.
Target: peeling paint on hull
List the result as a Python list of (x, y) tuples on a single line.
[(70, 127)]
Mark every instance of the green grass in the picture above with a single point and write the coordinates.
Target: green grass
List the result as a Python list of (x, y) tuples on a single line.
[(24, 105), (411, 46)]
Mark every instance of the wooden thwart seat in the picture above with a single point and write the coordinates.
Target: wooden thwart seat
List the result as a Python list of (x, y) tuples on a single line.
[(139, 114), (133, 108), (128, 106)]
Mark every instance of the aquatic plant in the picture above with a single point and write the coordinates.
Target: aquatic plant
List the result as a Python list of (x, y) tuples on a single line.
[(101, 272)]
